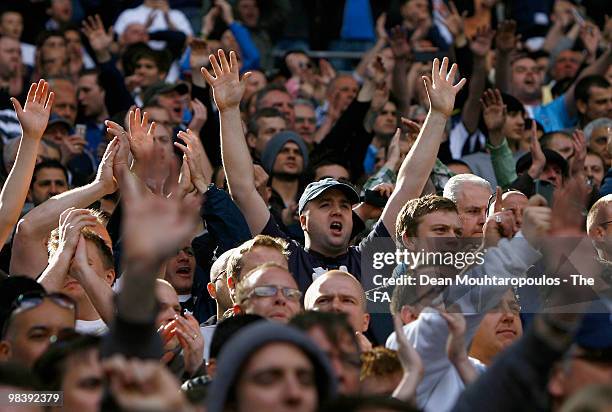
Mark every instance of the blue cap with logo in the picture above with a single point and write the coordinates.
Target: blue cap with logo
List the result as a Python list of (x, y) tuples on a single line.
[(316, 189)]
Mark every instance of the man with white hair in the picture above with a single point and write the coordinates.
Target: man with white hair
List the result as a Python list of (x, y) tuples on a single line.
[(471, 195), (596, 134)]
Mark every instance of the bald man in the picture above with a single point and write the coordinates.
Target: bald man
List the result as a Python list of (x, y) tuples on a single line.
[(338, 291)]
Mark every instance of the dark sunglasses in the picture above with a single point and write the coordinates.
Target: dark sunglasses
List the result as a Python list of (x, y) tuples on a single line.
[(31, 300)]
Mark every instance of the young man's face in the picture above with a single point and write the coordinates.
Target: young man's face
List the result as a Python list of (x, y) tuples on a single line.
[(514, 126), (148, 71), (29, 333), (598, 105), (180, 270), (10, 57), (327, 222), (172, 101), (267, 127), (289, 160), (95, 260), (60, 10), (277, 377), (82, 383), (49, 182), (526, 79), (386, 121), (11, 25), (90, 96)]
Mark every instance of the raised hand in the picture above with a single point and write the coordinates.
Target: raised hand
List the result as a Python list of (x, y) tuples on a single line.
[(154, 226), (399, 43), (481, 43), (208, 22), (200, 115), (227, 86), (493, 110), (99, 39), (105, 174), (143, 385), (196, 159), (140, 135), (440, 89), (580, 152), (226, 11), (506, 39), (80, 267), (411, 363), (538, 160), (34, 116), (191, 340), (453, 20), (376, 72), (590, 36), (381, 33), (71, 222)]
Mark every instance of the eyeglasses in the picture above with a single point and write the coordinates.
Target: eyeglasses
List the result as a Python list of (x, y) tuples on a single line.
[(271, 290), (32, 300), (219, 276)]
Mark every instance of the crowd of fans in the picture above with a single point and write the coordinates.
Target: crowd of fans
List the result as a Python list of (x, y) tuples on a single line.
[(196, 196)]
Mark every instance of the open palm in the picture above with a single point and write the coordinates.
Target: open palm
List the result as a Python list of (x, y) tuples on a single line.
[(440, 89), (34, 116), (141, 134), (227, 86)]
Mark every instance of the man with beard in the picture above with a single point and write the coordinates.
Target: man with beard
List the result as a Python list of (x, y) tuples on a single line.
[(284, 159)]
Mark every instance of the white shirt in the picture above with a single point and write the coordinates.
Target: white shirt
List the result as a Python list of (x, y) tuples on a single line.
[(140, 15), (91, 327)]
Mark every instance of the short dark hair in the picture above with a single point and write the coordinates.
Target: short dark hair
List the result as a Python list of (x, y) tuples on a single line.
[(546, 139), (50, 368), (263, 92), (408, 218), (267, 112), (513, 105), (583, 87), (137, 51), (326, 159), (331, 323), (48, 164), (44, 35), (227, 328)]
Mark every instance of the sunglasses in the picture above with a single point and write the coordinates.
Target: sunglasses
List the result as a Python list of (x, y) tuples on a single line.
[(271, 290), (31, 300)]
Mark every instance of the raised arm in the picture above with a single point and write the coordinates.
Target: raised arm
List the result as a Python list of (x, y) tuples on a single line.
[(505, 43), (29, 254), (33, 119), (480, 46), (228, 89), (417, 165)]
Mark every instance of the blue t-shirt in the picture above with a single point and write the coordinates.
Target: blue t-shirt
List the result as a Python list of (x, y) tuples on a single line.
[(553, 116)]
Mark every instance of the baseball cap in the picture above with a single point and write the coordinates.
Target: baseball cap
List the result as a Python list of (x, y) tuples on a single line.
[(57, 119), (316, 189), (595, 337), (552, 157), (158, 88)]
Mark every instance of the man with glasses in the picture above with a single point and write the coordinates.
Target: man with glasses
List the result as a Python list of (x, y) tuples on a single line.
[(34, 321), (269, 291), (599, 227)]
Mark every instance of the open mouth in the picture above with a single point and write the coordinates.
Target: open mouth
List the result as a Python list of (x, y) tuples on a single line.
[(336, 228), (183, 270)]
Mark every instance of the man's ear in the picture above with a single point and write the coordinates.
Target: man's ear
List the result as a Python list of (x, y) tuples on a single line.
[(237, 309), (303, 222), (211, 367), (251, 140), (366, 322), (212, 290), (110, 276), (581, 106), (556, 382), (231, 283), (599, 234), (408, 242), (6, 351)]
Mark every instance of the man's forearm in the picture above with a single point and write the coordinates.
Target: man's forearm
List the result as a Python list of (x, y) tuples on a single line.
[(16, 187), (399, 86), (237, 160), (470, 113), (502, 72), (44, 217), (136, 301), (53, 278), (100, 294)]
